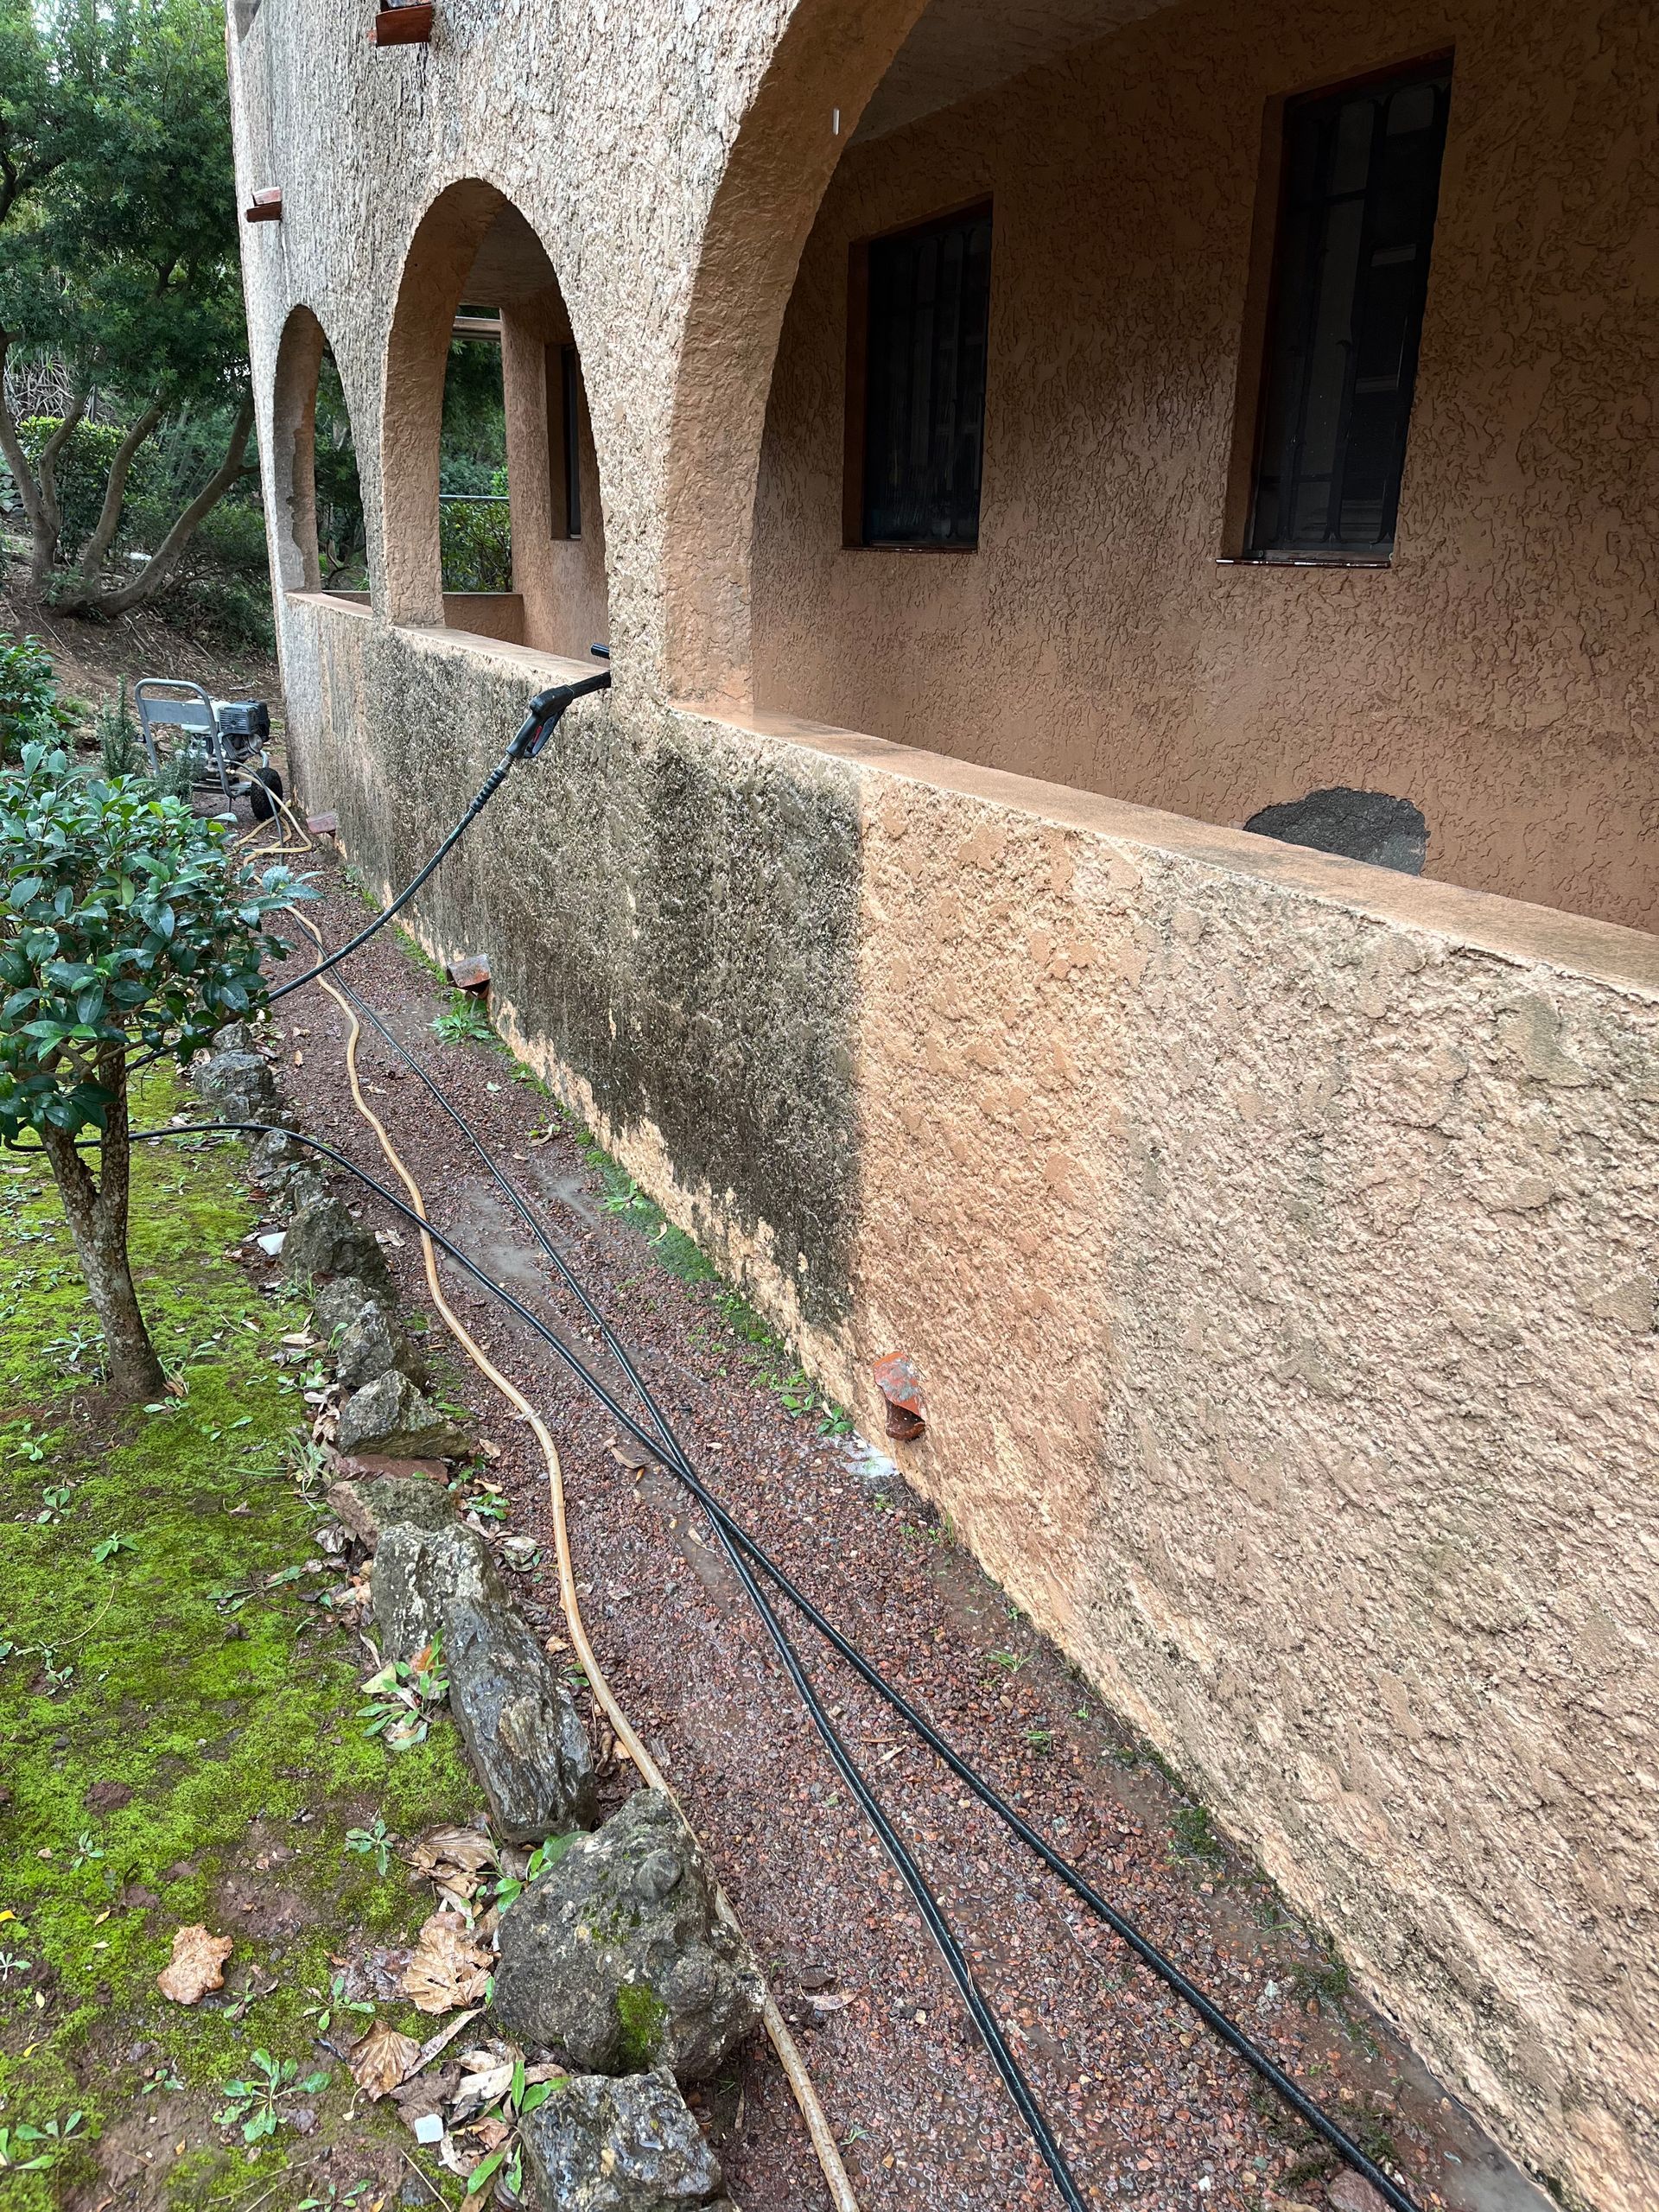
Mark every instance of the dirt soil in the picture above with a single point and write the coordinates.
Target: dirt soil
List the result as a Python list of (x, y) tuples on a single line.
[(1150, 2109), (91, 657)]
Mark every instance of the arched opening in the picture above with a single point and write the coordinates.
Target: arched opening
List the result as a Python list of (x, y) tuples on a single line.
[(319, 533), (1093, 391), (493, 518)]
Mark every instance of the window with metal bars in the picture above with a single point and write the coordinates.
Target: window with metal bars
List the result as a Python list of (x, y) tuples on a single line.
[(1361, 180), (927, 309)]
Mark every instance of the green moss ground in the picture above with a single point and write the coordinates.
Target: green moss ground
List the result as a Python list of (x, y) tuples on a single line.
[(193, 1665)]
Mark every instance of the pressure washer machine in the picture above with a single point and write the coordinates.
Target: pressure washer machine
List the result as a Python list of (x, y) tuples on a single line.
[(225, 742)]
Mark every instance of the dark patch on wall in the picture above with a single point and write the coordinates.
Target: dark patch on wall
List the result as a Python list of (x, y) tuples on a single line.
[(1358, 825), (675, 914)]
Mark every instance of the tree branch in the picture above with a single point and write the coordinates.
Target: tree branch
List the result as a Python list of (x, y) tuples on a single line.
[(158, 571), (12, 447), (98, 545), (37, 486)]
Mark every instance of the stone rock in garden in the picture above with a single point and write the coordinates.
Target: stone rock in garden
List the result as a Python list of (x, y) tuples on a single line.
[(1351, 2192), (390, 1415), (241, 1085), (519, 1723), (373, 1345), (369, 1508), (288, 1170), (323, 1241), (616, 1954), (275, 1156), (302, 1189), (338, 1304), (416, 1573), (598, 2144)]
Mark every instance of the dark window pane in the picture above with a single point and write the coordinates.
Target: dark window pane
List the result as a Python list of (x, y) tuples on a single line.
[(1361, 173), (925, 395), (571, 377)]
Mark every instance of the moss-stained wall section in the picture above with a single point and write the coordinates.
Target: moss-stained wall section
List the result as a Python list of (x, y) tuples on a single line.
[(670, 920)]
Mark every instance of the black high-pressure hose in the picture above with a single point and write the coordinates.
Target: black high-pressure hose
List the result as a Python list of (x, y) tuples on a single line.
[(1007, 2064), (542, 718), (740, 1547), (1223, 2028)]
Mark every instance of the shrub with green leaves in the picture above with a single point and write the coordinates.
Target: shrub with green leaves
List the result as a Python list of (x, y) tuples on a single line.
[(125, 926), (28, 694), (475, 544)]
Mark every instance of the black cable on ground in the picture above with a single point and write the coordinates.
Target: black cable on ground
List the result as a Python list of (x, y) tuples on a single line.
[(1007, 2064), (730, 1532), (740, 1549)]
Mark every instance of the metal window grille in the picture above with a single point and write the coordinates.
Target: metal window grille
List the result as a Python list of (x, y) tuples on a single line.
[(1362, 174), (924, 383)]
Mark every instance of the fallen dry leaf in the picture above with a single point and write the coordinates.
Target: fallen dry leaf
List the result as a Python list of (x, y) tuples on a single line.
[(464, 1849), (383, 2058), (448, 1969), (196, 1967)]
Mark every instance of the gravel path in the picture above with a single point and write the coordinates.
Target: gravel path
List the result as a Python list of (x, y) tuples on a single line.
[(1151, 2110)]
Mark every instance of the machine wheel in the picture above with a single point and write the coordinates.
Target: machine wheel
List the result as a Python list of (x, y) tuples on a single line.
[(264, 789)]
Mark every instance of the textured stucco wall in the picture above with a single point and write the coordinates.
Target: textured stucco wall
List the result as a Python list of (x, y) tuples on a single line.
[(1501, 674), (1278, 1240)]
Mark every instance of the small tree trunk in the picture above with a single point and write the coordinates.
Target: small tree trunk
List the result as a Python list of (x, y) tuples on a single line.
[(97, 1213), (158, 571), (96, 549), (37, 488)]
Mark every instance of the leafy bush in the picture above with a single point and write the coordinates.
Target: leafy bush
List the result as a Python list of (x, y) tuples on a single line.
[(125, 927), (83, 470), (475, 539), (119, 745), (29, 707)]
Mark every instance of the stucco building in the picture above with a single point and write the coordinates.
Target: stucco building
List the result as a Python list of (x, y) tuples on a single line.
[(1007, 451)]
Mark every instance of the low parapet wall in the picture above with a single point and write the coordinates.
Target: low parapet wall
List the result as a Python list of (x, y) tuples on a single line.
[(1276, 1240)]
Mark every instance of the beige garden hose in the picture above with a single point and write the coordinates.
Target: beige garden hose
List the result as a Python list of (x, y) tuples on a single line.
[(789, 2054)]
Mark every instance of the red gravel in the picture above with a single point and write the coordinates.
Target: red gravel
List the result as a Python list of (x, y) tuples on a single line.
[(1148, 2108)]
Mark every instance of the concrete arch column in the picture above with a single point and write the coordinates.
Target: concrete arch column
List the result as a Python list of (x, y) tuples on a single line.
[(831, 57), (475, 244)]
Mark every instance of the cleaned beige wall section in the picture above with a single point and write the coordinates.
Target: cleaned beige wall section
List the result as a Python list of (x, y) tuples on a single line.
[(1280, 1260), (1501, 674)]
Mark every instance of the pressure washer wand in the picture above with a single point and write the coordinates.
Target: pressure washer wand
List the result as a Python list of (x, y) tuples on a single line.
[(542, 718)]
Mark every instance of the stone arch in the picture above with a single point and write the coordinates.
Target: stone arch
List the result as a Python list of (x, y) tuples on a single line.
[(474, 245), (831, 58), (293, 451)]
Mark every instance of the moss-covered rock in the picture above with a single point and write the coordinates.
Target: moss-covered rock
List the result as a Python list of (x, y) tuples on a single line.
[(324, 1242), (417, 1570), (390, 1415), (618, 1957), (519, 1724)]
